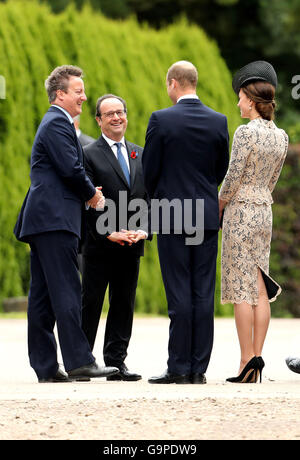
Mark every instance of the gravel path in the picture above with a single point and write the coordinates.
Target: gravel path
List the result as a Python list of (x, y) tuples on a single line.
[(101, 410)]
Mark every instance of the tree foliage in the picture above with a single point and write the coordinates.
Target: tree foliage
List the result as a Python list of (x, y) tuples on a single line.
[(285, 251), (121, 57), (245, 30)]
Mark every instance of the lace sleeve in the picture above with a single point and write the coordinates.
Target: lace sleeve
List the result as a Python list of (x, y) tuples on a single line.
[(242, 146), (279, 166)]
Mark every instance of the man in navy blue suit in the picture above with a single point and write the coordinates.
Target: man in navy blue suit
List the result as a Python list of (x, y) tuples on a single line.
[(50, 221), (185, 159)]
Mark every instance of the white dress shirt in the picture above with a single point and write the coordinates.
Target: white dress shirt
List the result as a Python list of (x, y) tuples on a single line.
[(114, 148), (188, 96)]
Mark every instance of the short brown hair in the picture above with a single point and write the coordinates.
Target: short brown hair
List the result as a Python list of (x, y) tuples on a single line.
[(59, 79), (108, 96), (185, 73), (262, 93)]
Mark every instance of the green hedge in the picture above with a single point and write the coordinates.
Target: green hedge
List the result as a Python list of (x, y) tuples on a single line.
[(285, 250), (120, 57)]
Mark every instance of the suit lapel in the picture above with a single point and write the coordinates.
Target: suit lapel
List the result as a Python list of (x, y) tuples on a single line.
[(79, 146), (132, 162), (109, 154)]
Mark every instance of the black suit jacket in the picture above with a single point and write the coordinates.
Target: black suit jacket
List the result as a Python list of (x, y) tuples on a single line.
[(186, 156), (104, 170)]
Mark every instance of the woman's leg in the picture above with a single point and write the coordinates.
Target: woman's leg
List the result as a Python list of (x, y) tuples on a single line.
[(262, 314), (243, 313), (252, 324)]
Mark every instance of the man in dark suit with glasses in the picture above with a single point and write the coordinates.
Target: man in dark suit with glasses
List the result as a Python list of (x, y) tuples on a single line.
[(111, 256)]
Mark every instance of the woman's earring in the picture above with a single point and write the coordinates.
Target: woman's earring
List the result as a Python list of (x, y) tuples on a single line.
[(250, 107)]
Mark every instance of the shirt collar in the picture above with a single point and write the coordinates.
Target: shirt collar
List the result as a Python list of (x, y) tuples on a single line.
[(111, 142), (65, 112), (188, 96)]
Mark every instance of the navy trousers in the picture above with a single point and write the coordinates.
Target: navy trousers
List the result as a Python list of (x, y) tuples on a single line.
[(55, 297), (189, 274)]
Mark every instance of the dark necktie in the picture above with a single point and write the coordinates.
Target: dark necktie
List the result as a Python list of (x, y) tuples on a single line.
[(122, 162)]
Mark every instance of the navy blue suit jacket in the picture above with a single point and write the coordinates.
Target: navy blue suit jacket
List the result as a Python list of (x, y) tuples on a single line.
[(59, 184), (186, 155)]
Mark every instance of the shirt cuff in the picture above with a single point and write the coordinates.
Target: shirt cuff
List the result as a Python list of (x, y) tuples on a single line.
[(143, 232)]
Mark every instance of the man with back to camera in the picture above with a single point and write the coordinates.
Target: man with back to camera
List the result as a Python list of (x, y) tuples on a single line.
[(113, 257), (50, 221), (185, 158)]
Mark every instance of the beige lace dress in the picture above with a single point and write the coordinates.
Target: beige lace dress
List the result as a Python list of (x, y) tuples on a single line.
[(258, 153)]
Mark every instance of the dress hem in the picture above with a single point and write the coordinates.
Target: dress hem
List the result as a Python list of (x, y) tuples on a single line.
[(273, 291)]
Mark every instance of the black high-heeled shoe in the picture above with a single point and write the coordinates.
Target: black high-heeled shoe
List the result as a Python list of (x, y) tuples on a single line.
[(261, 365), (261, 362), (250, 372)]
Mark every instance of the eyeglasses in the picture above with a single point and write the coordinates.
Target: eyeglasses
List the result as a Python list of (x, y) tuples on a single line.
[(120, 114)]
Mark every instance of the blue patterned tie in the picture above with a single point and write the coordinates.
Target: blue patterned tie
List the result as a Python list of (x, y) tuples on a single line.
[(122, 162)]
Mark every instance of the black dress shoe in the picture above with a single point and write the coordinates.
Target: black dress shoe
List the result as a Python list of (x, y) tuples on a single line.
[(198, 378), (125, 375), (92, 371), (167, 377), (293, 364), (60, 377)]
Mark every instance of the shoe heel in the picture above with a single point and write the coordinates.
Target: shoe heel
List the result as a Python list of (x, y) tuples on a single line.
[(261, 365)]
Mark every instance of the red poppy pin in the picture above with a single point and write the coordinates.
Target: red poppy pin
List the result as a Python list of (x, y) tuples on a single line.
[(134, 154)]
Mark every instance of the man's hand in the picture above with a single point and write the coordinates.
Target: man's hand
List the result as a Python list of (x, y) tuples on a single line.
[(222, 205), (130, 236), (98, 200), (137, 236), (121, 237)]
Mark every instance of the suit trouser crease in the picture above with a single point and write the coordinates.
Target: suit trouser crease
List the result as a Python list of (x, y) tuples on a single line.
[(54, 297), (189, 274), (120, 272)]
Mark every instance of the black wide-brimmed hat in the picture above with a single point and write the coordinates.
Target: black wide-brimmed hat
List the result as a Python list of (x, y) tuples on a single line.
[(257, 70)]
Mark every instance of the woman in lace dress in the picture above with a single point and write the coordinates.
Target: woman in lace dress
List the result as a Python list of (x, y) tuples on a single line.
[(258, 152)]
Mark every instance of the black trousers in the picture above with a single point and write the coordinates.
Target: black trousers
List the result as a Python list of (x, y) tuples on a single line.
[(189, 274), (55, 297), (119, 270)]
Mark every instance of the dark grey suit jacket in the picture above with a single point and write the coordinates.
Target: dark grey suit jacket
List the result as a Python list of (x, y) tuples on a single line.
[(103, 169), (84, 139)]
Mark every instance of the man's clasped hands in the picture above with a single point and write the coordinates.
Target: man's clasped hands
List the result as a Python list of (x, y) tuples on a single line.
[(129, 236)]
